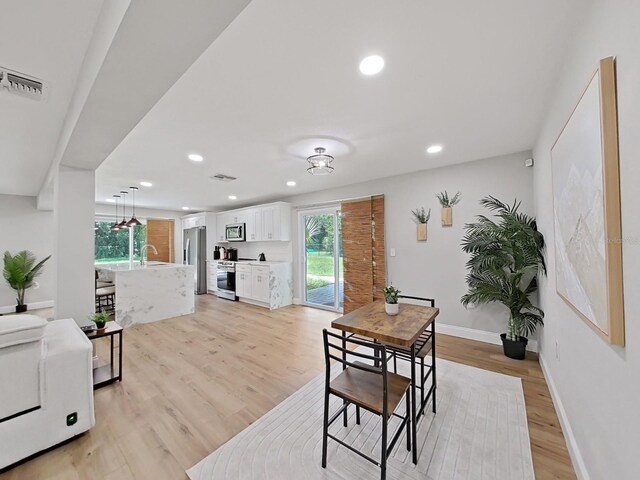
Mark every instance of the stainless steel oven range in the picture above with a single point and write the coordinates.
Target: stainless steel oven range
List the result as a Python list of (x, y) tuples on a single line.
[(226, 279)]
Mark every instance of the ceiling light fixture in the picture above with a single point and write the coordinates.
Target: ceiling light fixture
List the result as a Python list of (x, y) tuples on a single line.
[(185, 208), (123, 224), (134, 222), (146, 184), (194, 157), (232, 197), (320, 163), (371, 65), (115, 227), (434, 149), (291, 183)]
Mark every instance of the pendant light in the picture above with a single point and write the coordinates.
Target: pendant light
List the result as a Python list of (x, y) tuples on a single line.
[(115, 227), (320, 163), (123, 224), (134, 222)]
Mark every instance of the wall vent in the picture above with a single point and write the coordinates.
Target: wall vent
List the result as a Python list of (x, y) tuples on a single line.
[(22, 84), (223, 178)]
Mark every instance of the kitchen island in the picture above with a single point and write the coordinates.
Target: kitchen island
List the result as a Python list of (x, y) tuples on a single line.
[(150, 292)]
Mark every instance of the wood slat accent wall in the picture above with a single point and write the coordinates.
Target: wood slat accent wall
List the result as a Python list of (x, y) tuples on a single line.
[(363, 251), (160, 235)]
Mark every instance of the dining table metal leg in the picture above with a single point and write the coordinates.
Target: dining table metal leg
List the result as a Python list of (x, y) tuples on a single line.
[(414, 423)]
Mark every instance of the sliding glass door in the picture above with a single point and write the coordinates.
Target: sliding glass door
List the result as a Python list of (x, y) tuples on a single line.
[(322, 258)]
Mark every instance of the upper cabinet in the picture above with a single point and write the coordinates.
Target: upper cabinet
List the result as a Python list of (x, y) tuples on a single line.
[(264, 223)]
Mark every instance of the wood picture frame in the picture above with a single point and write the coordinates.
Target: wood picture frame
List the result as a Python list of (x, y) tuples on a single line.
[(587, 211)]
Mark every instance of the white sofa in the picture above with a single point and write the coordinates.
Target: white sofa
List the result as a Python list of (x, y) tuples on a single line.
[(46, 385)]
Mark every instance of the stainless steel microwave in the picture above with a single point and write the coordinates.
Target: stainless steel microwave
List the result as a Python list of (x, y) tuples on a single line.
[(235, 232)]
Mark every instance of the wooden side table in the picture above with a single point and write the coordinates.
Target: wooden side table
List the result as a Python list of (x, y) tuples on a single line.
[(106, 374)]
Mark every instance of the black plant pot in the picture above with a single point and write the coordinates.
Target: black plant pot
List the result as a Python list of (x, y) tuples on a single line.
[(21, 308), (515, 349)]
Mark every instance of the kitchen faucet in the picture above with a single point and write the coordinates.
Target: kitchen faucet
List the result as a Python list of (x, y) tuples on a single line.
[(144, 249)]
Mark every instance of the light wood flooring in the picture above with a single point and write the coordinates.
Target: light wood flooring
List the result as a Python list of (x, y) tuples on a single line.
[(192, 383)]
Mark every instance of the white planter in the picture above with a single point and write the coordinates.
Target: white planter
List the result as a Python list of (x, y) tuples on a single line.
[(391, 308)]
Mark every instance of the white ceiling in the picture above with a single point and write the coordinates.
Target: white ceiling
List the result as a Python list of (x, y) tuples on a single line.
[(47, 40), (283, 78)]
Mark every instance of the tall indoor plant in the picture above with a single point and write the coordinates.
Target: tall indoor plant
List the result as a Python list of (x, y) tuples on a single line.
[(20, 272), (506, 258)]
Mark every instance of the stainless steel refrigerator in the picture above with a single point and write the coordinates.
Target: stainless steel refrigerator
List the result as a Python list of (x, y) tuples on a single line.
[(194, 243)]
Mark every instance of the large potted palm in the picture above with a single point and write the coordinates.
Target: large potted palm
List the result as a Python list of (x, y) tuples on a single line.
[(506, 256), (20, 271)]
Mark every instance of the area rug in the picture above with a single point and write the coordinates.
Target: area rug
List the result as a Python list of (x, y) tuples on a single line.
[(479, 432)]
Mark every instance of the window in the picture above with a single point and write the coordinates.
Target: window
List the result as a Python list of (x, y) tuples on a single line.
[(120, 246)]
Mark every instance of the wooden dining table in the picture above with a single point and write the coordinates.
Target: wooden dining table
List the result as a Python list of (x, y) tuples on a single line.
[(403, 330)]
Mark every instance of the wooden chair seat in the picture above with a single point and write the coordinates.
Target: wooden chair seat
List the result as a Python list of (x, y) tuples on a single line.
[(100, 292), (365, 389)]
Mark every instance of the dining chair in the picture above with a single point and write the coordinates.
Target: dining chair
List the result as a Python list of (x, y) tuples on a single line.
[(424, 346), (105, 295), (367, 384)]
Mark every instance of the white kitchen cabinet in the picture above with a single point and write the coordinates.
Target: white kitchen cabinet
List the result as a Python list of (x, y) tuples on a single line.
[(254, 225), (260, 290), (244, 281), (263, 223), (269, 285), (221, 223), (212, 276)]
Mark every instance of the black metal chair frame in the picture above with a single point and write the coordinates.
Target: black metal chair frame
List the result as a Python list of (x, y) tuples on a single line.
[(426, 371), (379, 367), (106, 302)]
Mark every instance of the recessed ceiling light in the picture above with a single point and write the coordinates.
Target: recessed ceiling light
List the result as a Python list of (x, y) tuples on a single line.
[(291, 183), (111, 200), (185, 208), (371, 65), (194, 157), (232, 197), (146, 184), (434, 149)]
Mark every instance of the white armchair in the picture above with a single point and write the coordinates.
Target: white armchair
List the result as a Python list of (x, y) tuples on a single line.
[(46, 385)]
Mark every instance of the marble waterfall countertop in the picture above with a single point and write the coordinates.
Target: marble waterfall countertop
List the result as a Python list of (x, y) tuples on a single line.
[(151, 292)]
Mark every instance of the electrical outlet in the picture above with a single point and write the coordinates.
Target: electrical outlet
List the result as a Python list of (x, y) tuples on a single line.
[(392, 252)]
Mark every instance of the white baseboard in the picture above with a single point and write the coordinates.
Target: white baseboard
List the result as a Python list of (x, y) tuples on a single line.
[(572, 445), (479, 335), (30, 306), (297, 301)]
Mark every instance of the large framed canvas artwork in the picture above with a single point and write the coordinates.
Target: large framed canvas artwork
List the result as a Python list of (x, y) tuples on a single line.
[(586, 201)]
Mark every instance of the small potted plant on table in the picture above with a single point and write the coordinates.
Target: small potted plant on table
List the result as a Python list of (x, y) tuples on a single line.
[(506, 258), (20, 271), (391, 300), (100, 319)]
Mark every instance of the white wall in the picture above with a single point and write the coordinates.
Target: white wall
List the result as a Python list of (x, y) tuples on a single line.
[(23, 227), (597, 387), (435, 268)]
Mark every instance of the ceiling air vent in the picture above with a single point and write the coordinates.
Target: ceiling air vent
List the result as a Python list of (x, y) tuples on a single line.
[(25, 85), (223, 178)]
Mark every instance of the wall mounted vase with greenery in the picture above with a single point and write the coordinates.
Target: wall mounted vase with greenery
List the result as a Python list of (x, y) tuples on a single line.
[(506, 258), (447, 203), (20, 271), (421, 217)]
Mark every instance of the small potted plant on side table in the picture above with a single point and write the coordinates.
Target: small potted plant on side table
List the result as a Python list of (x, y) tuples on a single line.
[(100, 319), (391, 300)]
